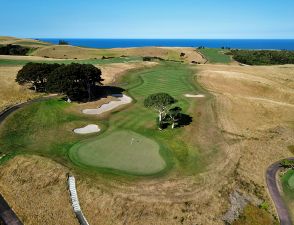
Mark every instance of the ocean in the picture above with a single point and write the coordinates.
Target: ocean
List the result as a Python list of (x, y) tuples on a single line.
[(277, 44)]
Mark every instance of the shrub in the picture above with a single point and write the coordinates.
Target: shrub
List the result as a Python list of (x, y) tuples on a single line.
[(13, 50)]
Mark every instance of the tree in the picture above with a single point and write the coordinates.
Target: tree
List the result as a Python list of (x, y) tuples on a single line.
[(35, 74), (160, 102), (62, 42), (174, 115), (13, 50), (77, 81)]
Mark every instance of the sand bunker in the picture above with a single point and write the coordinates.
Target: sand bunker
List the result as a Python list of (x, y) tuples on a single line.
[(92, 128), (194, 96), (122, 100)]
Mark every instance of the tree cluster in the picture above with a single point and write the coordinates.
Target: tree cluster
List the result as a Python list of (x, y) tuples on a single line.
[(62, 42), (13, 50), (263, 57), (77, 81), (162, 103)]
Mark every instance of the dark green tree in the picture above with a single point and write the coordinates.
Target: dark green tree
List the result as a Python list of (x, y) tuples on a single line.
[(35, 74), (77, 81), (159, 102)]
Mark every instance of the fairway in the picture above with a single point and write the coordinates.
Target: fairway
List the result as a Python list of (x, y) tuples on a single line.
[(215, 55), (125, 151), (35, 128)]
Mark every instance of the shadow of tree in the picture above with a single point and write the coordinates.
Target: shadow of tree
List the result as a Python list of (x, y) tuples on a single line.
[(184, 120)]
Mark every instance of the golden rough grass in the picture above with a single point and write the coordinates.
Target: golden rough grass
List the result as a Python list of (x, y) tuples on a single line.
[(4, 40), (36, 188), (110, 72), (65, 52), (252, 107), (255, 108), (10, 92)]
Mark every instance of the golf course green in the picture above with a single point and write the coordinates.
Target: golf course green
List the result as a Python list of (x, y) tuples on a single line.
[(129, 141), (125, 151)]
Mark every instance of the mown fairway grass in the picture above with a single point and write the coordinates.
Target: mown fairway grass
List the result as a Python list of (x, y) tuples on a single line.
[(18, 62), (175, 79), (288, 184), (215, 55), (287, 181), (45, 128)]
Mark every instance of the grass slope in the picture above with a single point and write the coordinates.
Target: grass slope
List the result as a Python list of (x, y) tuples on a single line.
[(44, 128), (17, 62), (34, 129), (215, 55), (176, 80)]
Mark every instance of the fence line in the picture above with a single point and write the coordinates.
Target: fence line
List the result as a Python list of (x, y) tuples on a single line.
[(75, 201)]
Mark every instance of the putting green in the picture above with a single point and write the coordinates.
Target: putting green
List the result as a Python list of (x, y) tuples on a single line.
[(125, 151)]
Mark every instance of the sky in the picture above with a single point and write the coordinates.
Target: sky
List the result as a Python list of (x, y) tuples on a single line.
[(179, 19)]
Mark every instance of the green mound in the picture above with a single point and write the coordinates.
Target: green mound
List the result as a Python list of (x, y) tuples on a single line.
[(291, 181), (124, 151), (288, 184), (215, 55)]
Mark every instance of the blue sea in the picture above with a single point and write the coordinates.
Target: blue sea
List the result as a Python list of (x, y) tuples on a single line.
[(278, 44)]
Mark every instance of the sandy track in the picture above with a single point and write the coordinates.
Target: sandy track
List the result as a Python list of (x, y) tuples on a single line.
[(91, 128), (121, 100), (7, 216)]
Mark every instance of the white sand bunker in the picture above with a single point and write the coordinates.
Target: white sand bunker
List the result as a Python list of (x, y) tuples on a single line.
[(194, 96), (122, 100), (92, 128)]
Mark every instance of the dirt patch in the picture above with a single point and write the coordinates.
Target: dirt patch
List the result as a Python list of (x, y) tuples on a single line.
[(194, 96), (89, 129), (119, 101), (111, 72)]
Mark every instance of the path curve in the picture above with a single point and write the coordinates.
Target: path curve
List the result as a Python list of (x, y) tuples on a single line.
[(272, 184), (7, 216)]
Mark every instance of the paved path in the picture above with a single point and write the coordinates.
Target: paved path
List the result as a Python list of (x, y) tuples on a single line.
[(7, 216), (284, 215)]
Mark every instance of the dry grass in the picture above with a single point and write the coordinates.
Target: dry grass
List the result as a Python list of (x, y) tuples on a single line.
[(255, 108), (65, 52), (4, 40), (110, 72), (254, 216), (11, 93), (37, 190)]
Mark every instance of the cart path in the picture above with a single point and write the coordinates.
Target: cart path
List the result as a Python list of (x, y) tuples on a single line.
[(7, 216), (272, 184)]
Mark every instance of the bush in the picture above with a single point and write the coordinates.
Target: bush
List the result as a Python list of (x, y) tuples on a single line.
[(14, 50), (262, 57)]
